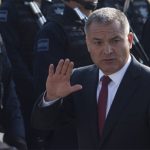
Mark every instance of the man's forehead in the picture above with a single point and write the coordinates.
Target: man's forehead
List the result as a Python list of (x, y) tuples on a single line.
[(96, 28), (112, 24), (105, 36)]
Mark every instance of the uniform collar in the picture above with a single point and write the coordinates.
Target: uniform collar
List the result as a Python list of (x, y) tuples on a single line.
[(70, 14)]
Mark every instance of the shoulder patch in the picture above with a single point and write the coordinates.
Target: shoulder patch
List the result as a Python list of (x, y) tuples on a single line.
[(43, 45), (3, 15)]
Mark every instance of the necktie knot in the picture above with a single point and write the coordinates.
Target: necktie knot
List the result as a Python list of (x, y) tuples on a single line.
[(105, 80)]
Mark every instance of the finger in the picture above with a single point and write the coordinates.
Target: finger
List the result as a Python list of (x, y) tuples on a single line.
[(69, 70), (59, 66), (65, 66), (51, 69)]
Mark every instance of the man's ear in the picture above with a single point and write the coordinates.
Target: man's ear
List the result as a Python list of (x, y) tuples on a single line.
[(130, 39)]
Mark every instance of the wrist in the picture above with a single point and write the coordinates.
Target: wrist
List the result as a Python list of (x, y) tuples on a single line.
[(48, 98)]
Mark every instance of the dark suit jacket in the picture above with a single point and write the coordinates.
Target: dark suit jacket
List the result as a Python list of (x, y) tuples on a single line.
[(128, 122)]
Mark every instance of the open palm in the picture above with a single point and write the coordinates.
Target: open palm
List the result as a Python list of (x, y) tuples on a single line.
[(58, 81)]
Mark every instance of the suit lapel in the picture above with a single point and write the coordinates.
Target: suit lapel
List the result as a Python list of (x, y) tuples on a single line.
[(122, 99)]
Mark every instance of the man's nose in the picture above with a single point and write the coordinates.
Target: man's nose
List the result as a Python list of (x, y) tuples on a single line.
[(107, 49)]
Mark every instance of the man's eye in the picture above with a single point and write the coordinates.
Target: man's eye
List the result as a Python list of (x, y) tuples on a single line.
[(97, 42), (115, 40)]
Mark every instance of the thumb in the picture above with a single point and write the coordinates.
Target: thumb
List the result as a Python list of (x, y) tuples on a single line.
[(76, 88)]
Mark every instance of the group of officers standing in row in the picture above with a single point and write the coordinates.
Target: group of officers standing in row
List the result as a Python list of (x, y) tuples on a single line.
[(34, 38)]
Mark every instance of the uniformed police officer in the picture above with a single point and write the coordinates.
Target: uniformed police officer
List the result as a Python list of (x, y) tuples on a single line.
[(138, 14), (18, 25), (11, 121), (62, 37)]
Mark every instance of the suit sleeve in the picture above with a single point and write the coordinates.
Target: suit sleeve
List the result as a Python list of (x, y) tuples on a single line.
[(54, 116)]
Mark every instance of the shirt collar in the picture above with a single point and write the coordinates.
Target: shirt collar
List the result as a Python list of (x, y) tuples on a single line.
[(117, 76)]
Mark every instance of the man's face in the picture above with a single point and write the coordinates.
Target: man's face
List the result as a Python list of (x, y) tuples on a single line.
[(109, 46)]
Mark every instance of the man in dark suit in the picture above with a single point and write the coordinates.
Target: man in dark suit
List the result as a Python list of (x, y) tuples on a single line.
[(73, 97)]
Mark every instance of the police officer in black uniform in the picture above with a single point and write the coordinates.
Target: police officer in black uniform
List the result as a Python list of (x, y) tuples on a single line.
[(11, 121), (19, 25), (62, 37), (138, 13)]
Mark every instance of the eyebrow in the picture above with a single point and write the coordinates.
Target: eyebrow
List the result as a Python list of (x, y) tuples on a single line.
[(98, 39), (117, 36)]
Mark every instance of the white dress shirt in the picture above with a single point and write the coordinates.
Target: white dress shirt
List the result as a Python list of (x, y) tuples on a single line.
[(116, 79)]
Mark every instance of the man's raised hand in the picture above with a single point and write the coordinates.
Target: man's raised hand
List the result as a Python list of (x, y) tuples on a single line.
[(58, 81)]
